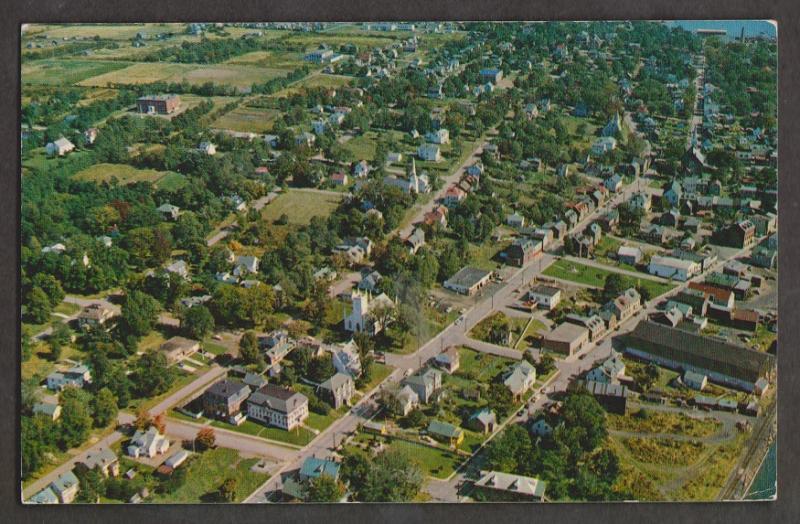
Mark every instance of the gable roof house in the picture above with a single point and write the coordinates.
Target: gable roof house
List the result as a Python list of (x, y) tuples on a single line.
[(483, 421), (337, 390), (78, 376), (65, 487), (425, 383), (244, 264), (407, 400), (449, 359), (169, 211), (224, 399), (147, 443), (59, 147), (346, 358), (520, 378), (445, 432), (103, 458), (415, 240), (179, 348), (95, 315)]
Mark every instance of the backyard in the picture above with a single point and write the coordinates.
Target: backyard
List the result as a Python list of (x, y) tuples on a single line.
[(301, 205)]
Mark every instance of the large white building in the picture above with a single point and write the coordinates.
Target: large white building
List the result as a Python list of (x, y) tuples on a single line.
[(278, 406), (670, 267)]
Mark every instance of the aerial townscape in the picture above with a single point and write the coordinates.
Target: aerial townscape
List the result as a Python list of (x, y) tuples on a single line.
[(398, 262)]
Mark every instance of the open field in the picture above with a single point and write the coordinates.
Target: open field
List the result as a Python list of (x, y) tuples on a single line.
[(271, 59), (300, 206), (65, 72), (583, 274), (315, 81), (207, 471), (235, 75), (144, 73), (662, 422), (126, 174), (105, 31), (247, 119)]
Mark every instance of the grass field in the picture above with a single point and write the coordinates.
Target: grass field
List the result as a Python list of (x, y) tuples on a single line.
[(583, 274), (300, 206), (64, 71), (208, 470), (664, 451), (315, 81), (661, 422), (434, 462), (143, 73), (106, 31), (247, 119), (171, 181), (273, 59), (126, 174), (234, 75)]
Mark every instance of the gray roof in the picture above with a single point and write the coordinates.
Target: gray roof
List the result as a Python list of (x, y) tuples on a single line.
[(277, 398), (700, 351), (102, 458), (336, 381), (468, 277)]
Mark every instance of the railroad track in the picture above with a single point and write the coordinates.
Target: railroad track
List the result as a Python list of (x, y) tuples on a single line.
[(745, 470)]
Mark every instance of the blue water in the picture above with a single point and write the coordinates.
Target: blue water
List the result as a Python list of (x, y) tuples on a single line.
[(733, 27), (764, 485)]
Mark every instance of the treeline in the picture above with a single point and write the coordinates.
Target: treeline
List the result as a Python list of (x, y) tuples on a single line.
[(208, 51), (70, 49)]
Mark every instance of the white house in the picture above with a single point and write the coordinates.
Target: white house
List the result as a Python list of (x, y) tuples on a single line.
[(147, 443), (208, 148), (429, 152), (361, 169), (345, 358), (670, 267), (59, 147), (547, 297), (603, 145), (75, 376), (440, 136)]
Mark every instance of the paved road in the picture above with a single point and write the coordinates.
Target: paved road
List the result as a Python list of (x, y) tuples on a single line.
[(247, 444), (39, 484), (209, 376)]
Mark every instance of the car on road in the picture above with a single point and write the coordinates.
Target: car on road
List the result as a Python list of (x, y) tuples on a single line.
[(216, 337), (408, 372)]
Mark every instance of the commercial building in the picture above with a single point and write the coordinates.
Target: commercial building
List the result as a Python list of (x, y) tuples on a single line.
[(567, 338), (468, 280), (722, 362)]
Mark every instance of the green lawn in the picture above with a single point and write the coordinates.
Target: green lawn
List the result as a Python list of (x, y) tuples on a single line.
[(207, 471), (434, 462), (300, 206), (479, 367), (214, 348), (583, 274), (379, 373), (63, 71), (126, 174)]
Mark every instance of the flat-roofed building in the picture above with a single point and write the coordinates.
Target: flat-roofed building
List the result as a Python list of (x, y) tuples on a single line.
[(567, 338), (468, 280), (496, 485)]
